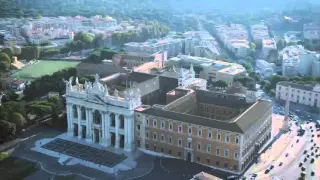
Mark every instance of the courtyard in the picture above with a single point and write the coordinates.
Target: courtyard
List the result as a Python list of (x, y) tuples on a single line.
[(84, 152)]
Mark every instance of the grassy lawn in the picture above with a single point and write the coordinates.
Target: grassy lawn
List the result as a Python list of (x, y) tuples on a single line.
[(43, 68), (3, 156), (12, 168)]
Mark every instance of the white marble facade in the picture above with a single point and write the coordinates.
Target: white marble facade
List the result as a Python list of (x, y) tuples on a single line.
[(98, 117)]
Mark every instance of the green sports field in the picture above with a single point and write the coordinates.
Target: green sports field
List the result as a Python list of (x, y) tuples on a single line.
[(43, 68)]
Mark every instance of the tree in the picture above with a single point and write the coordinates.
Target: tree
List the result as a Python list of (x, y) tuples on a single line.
[(30, 52), (38, 16), (5, 61), (274, 79), (50, 52), (7, 130), (40, 109), (281, 44), (56, 101), (221, 84), (16, 50), (291, 44), (254, 75), (45, 43), (18, 120), (9, 108), (98, 40), (249, 59), (84, 37), (252, 46), (272, 92), (307, 79), (9, 96), (272, 56), (295, 78), (9, 51), (247, 66), (43, 85), (244, 80)]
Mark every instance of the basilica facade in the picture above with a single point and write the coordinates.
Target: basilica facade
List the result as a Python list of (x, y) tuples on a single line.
[(98, 117)]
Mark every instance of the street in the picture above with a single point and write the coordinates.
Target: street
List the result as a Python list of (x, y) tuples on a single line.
[(282, 159)]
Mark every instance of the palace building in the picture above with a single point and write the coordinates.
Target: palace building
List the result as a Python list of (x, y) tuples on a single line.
[(216, 129)]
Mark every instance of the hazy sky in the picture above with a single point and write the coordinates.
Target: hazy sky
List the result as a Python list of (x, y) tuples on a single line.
[(237, 5)]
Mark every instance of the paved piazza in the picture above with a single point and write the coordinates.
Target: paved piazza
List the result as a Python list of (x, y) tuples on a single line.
[(83, 152), (291, 156)]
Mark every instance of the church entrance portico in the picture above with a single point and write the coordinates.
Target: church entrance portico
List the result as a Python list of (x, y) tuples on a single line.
[(100, 117), (113, 139), (84, 132), (75, 130), (96, 135), (122, 141)]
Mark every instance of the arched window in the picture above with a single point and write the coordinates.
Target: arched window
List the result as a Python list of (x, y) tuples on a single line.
[(112, 120), (74, 111), (83, 113), (97, 117)]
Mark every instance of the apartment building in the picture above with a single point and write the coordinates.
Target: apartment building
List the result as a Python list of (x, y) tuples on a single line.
[(234, 38), (173, 46), (211, 70), (134, 59), (201, 44), (316, 66), (259, 32), (296, 60), (311, 35), (265, 68), (267, 46), (308, 95), (215, 129), (293, 36)]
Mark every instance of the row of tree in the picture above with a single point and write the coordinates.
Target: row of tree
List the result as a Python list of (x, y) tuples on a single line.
[(14, 115), (10, 8), (84, 40), (40, 87), (270, 84), (100, 54)]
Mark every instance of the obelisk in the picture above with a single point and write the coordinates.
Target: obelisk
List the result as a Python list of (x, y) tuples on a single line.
[(285, 125)]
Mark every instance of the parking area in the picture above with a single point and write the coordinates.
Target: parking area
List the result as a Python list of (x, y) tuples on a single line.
[(83, 152)]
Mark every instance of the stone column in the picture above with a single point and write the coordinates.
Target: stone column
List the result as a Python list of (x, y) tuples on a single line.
[(126, 135), (79, 122), (107, 129), (130, 133), (103, 129), (69, 120), (90, 125), (87, 125), (117, 131)]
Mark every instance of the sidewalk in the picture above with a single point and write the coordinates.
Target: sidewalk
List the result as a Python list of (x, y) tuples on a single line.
[(8, 145)]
